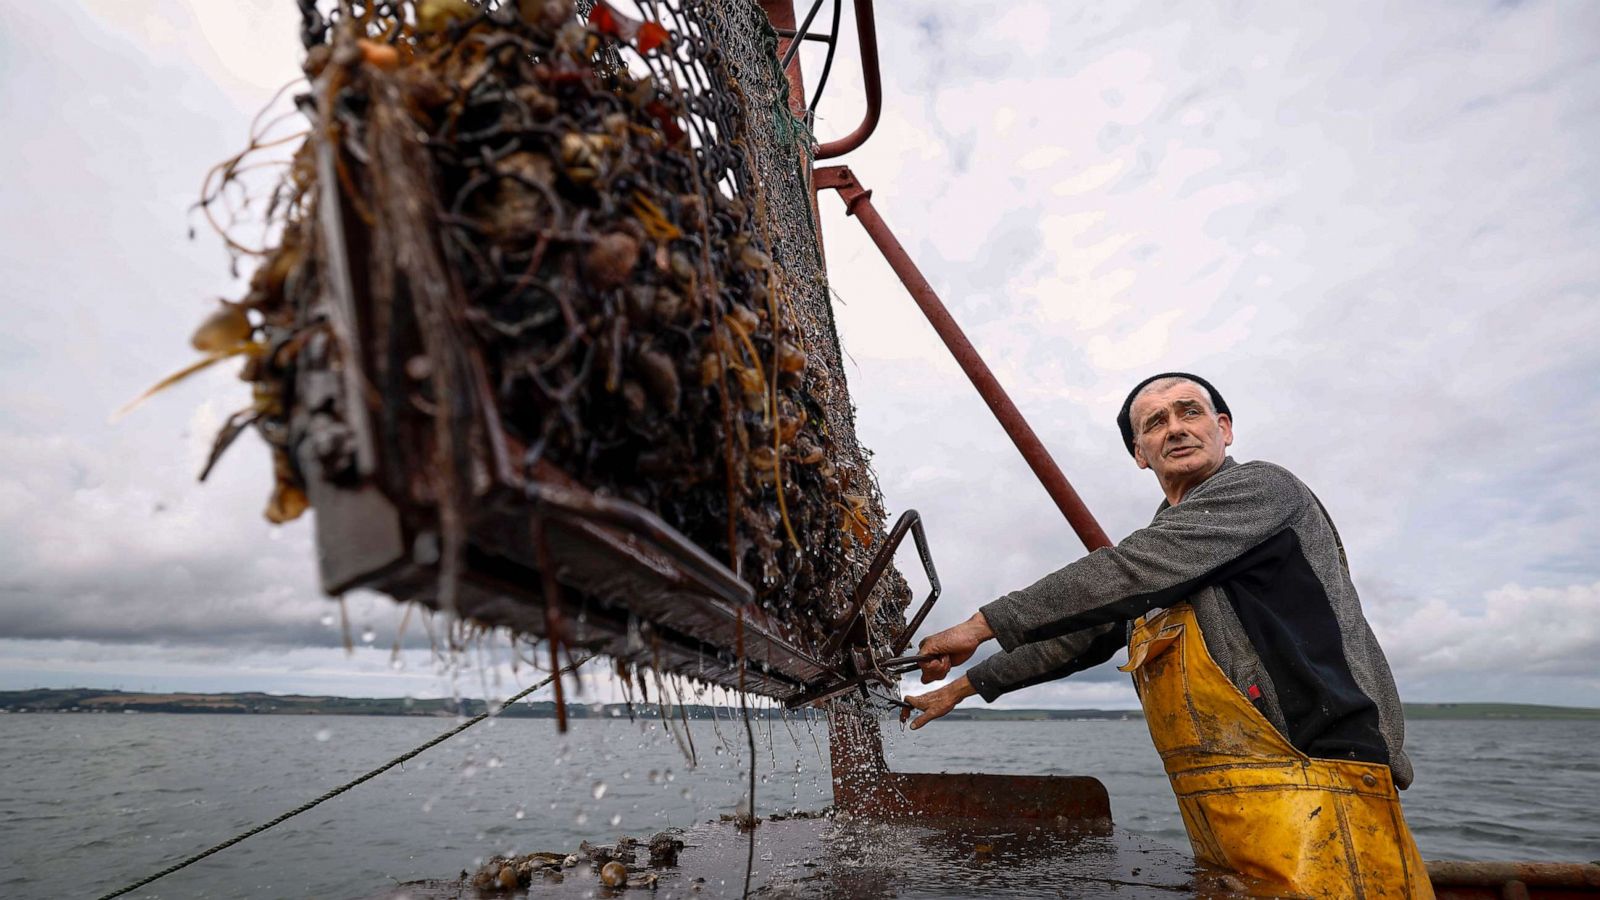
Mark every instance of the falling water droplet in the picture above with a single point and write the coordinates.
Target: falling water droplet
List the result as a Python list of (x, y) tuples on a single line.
[(327, 620), (520, 813), (582, 818), (368, 636), (495, 762), (324, 735), (599, 789), (396, 664), (616, 819)]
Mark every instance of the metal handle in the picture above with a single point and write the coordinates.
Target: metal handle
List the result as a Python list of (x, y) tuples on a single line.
[(910, 521), (867, 34), (900, 642)]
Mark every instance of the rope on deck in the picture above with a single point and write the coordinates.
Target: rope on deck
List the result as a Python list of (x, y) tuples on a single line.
[(347, 786)]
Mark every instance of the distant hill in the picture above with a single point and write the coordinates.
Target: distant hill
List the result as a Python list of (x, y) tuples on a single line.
[(985, 714), (87, 700), (1414, 711), (1497, 711)]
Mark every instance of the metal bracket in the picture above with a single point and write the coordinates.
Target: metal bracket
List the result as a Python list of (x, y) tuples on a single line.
[(858, 203), (860, 668)]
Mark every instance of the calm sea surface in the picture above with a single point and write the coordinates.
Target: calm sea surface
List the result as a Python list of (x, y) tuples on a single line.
[(91, 802)]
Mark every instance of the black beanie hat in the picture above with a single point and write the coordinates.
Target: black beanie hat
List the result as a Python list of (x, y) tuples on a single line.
[(1125, 422)]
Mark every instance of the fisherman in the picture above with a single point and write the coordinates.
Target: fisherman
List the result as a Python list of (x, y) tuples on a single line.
[(1264, 689)]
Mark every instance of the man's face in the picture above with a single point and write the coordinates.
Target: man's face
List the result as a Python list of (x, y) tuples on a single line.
[(1176, 434)]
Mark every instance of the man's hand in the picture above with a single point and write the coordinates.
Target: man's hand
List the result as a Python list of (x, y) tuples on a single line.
[(954, 646), (936, 703)]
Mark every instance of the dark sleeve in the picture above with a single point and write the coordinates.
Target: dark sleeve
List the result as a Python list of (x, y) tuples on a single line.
[(1036, 663), (1187, 547)]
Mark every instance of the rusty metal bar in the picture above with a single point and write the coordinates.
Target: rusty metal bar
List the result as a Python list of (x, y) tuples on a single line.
[(910, 521), (858, 203), (934, 588), (641, 522), (859, 667), (1078, 800), (867, 36), (1452, 873)]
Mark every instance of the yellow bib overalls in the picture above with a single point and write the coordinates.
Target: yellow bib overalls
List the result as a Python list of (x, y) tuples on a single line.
[(1250, 801)]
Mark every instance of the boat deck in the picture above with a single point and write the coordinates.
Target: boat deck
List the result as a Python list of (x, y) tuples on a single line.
[(821, 857), (828, 858)]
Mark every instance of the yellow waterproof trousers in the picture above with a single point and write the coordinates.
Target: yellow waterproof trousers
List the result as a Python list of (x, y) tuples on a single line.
[(1250, 801)]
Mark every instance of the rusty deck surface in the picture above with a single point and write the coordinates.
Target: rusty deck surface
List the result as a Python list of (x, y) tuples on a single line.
[(951, 858), (832, 858)]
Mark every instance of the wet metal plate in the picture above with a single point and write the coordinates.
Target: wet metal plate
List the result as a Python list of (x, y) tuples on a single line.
[(932, 859)]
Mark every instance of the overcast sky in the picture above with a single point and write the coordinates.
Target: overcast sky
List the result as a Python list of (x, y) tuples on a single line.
[(1372, 226)]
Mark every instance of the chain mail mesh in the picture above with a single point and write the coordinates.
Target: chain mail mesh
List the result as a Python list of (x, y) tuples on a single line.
[(779, 147), (743, 81)]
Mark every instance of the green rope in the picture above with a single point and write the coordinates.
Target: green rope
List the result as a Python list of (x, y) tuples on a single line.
[(791, 129), (343, 787), (793, 132)]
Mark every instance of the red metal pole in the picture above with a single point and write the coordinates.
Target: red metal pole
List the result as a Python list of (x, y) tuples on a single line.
[(858, 203), (867, 36)]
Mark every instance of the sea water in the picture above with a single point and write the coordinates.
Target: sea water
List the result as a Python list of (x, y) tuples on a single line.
[(91, 802)]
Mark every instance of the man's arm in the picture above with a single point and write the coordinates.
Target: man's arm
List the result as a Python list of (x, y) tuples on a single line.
[(1186, 547), (1048, 660), (1028, 665)]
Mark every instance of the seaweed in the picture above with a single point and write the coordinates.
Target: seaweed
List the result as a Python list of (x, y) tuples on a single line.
[(559, 253)]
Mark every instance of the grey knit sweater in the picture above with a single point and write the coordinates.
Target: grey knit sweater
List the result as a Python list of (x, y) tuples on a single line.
[(1256, 554)]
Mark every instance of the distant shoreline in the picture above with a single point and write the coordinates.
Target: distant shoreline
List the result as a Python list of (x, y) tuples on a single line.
[(86, 700)]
